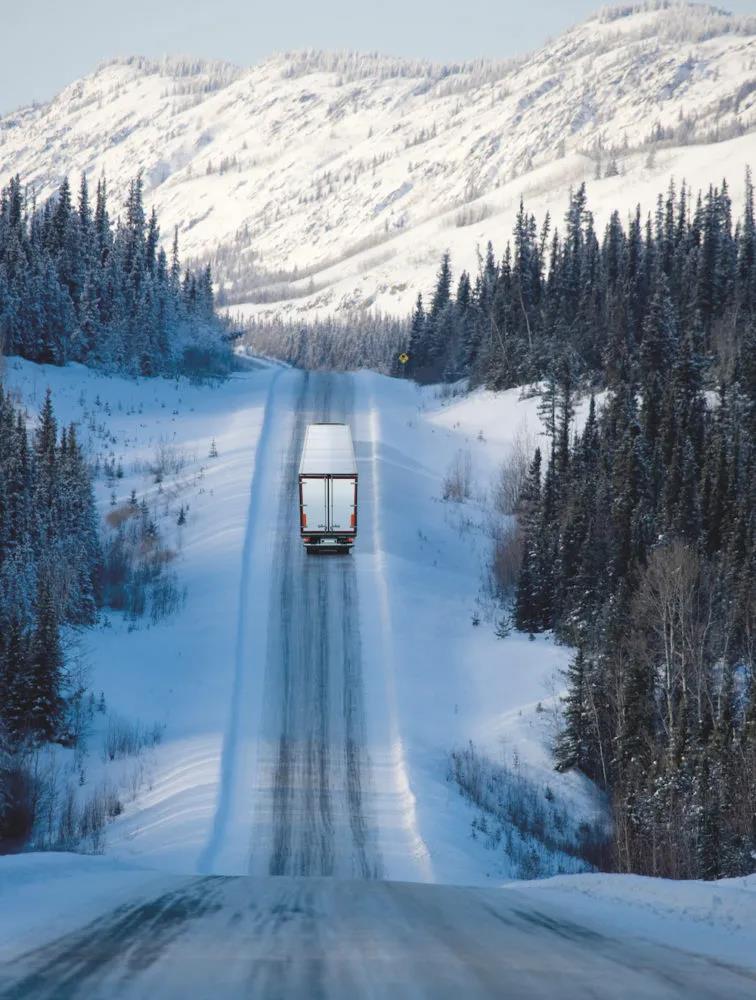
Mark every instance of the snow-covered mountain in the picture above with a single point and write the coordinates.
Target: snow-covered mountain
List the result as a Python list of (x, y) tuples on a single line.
[(324, 182)]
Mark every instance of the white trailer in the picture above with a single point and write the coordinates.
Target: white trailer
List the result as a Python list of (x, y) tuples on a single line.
[(328, 489)]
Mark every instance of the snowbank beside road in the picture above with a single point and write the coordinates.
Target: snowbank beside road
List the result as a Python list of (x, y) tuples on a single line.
[(179, 672), (453, 682), (99, 928), (709, 918)]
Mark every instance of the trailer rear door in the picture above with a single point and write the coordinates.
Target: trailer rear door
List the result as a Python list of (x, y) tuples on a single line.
[(343, 513), (314, 503)]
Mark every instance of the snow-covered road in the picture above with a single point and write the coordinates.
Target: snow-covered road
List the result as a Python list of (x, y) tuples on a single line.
[(177, 937), (296, 774), (312, 759)]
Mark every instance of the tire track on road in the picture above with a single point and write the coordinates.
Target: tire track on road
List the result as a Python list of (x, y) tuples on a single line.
[(310, 816)]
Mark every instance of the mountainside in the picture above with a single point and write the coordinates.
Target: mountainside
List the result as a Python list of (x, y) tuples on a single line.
[(323, 182)]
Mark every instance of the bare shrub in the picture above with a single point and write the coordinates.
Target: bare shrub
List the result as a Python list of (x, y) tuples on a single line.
[(169, 460), (135, 779), (526, 820), (506, 558), (133, 575), (124, 738), (505, 530), (36, 812), (166, 597), (457, 484), (82, 825), (471, 215), (19, 796), (92, 823), (507, 490), (119, 515), (68, 822)]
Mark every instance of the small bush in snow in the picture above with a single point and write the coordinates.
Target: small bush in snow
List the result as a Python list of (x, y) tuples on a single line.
[(169, 459), (504, 626), (507, 490), (506, 558), (457, 484), (471, 215), (134, 574), (124, 738), (81, 824)]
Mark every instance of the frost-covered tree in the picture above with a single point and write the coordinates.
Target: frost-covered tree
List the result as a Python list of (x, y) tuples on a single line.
[(73, 287), (49, 566), (640, 548), (605, 301)]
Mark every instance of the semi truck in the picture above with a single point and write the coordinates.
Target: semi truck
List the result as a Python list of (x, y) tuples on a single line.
[(328, 489)]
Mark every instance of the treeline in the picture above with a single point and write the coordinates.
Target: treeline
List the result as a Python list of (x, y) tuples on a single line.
[(360, 340), (640, 549), (49, 564), (578, 293), (76, 287), (637, 533), (56, 570)]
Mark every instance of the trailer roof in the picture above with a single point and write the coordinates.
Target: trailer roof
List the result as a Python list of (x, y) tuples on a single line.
[(328, 450)]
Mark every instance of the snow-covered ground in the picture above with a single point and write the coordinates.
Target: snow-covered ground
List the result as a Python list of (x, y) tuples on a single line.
[(422, 681), (178, 673), (717, 919), (89, 927), (455, 682), (432, 681), (344, 177)]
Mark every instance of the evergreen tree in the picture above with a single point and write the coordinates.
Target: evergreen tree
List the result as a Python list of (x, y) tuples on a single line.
[(45, 667), (619, 304), (572, 746), (49, 563), (527, 611), (73, 287)]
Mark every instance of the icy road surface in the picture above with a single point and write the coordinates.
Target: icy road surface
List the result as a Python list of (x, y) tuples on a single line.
[(295, 794), (214, 936), (313, 764)]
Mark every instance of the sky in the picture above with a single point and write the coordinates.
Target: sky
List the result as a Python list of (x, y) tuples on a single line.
[(47, 44)]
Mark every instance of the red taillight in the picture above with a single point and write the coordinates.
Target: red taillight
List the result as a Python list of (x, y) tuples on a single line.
[(304, 519), (353, 520)]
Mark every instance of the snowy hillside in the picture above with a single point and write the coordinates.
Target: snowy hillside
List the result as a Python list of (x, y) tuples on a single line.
[(320, 183)]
